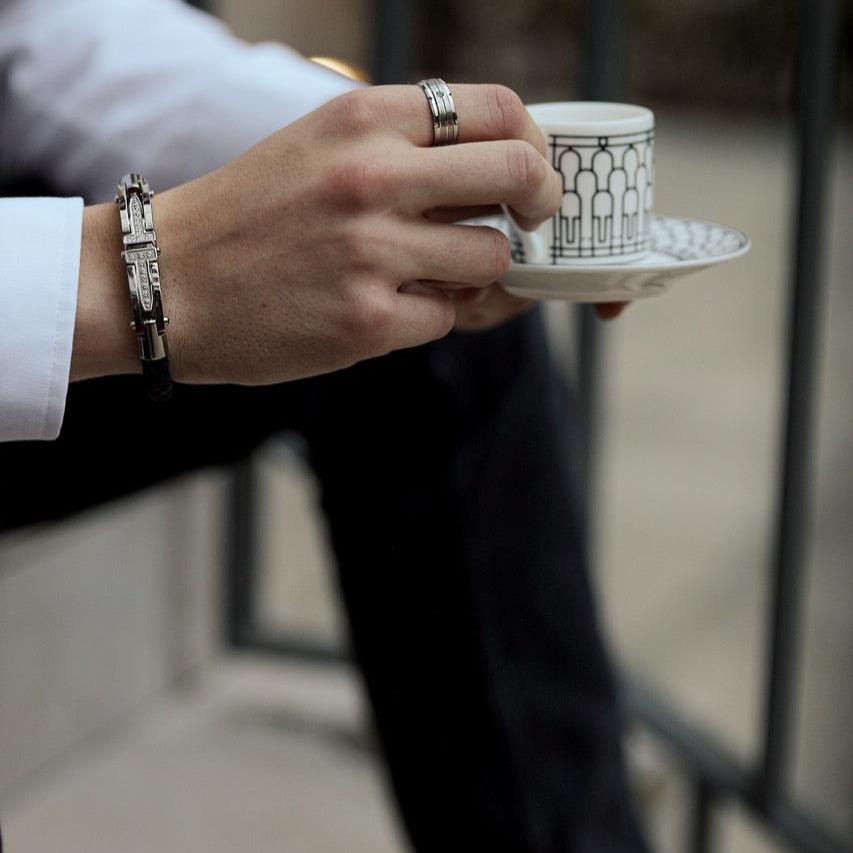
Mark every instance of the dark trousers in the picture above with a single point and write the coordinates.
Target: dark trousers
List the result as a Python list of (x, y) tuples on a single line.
[(447, 476)]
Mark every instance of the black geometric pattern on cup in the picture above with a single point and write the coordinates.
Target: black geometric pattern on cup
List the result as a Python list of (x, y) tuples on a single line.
[(693, 240), (679, 239), (607, 194), (516, 248)]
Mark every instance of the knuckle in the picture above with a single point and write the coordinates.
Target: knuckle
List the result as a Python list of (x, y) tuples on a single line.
[(354, 247), (507, 109), (345, 184), (526, 167), (370, 319), (379, 320), (363, 182), (353, 113)]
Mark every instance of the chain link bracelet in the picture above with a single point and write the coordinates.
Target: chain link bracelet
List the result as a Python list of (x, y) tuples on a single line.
[(141, 255)]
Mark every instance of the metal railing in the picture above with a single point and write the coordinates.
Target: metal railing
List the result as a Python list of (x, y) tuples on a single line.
[(716, 775)]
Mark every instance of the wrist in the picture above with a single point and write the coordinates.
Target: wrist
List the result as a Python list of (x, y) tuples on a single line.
[(191, 242), (174, 236), (104, 343)]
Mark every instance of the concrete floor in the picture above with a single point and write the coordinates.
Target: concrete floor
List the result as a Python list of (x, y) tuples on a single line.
[(260, 757), (263, 756)]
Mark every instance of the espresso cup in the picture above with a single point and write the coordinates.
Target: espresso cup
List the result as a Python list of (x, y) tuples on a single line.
[(605, 155)]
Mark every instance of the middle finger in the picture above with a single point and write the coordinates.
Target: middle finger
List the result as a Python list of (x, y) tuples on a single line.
[(506, 172)]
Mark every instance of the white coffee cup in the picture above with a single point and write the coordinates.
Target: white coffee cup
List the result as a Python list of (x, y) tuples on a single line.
[(605, 154)]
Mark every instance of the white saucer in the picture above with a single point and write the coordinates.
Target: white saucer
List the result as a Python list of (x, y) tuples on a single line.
[(679, 247)]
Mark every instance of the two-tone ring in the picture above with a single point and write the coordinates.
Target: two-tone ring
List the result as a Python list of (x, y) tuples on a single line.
[(445, 122)]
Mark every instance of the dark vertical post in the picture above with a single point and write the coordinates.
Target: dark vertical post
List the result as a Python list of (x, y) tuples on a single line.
[(602, 81), (241, 556), (817, 105), (603, 68), (393, 41), (699, 829)]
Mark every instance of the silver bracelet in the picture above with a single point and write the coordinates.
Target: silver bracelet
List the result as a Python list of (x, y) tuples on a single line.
[(141, 255)]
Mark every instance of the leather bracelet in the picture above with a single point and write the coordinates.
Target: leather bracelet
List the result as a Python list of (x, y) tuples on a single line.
[(141, 256)]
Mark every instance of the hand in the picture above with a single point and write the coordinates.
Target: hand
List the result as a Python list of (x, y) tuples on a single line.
[(301, 256), (480, 309)]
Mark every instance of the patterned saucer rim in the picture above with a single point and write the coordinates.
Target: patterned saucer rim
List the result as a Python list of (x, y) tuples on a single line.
[(648, 264)]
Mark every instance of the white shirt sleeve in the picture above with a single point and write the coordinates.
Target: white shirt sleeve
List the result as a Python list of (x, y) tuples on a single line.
[(39, 263), (98, 88), (90, 90)]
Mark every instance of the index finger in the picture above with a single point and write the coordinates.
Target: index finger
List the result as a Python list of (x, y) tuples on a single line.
[(486, 112)]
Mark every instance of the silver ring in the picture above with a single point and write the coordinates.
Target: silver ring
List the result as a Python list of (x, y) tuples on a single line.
[(445, 121)]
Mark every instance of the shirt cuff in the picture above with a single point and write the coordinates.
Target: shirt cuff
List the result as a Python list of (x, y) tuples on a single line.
[(39, 268)]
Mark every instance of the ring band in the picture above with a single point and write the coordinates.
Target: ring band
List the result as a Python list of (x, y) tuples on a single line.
[(445, 121)]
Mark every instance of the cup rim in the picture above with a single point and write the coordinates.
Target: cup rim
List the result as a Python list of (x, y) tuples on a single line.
[(592, 118)]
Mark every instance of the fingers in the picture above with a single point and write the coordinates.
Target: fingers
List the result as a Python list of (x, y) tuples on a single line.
[(500, 161), (467, 254), (421, 314), (505, 172), (486, 112), (487, 308)]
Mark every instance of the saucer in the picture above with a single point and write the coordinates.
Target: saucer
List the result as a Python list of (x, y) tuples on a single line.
[(679, 247)]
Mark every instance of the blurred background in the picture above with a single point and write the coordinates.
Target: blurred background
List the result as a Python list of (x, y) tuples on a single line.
[(125, 723)]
